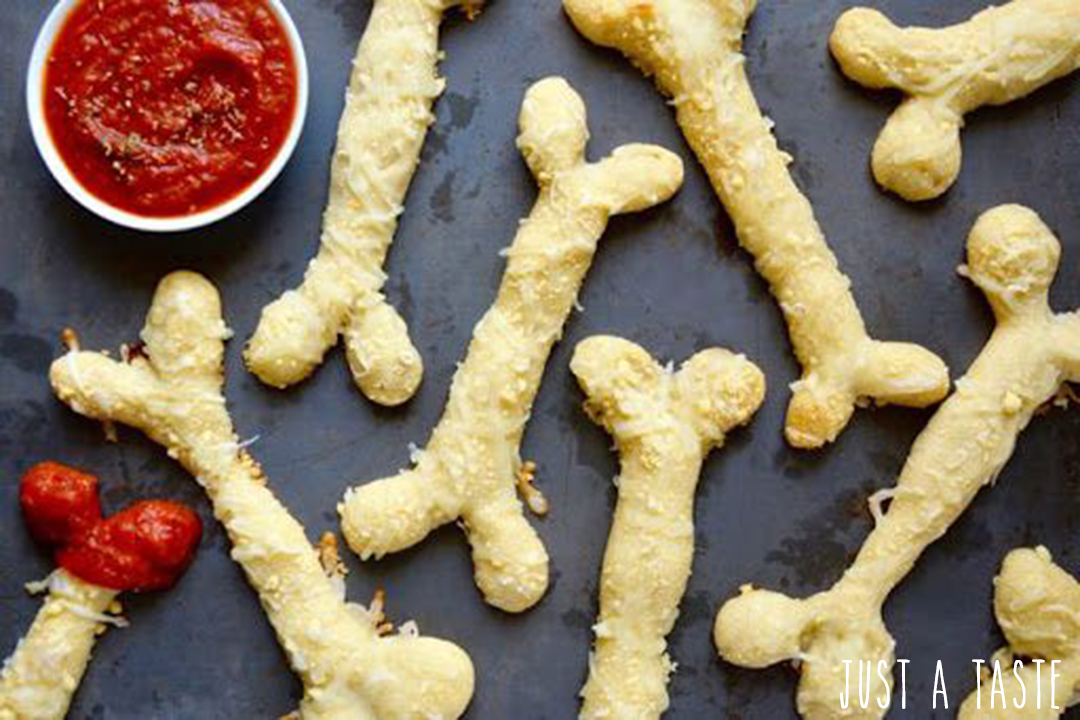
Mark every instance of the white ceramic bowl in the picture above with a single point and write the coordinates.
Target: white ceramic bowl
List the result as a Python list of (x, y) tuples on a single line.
[(43, 139)]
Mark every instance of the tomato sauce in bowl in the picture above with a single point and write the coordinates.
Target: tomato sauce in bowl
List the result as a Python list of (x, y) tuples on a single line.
[(166, 108)]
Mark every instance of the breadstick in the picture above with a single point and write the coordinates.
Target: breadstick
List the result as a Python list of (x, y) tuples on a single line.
[(999, 55), (664, 425), (387, 113), (1037, 605), (39, 680), (146, 546), (174, 395), (693, 48), (1012, 258), (468, 470)]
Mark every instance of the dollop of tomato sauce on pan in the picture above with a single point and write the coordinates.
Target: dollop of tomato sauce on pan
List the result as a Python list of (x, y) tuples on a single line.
[(146, 546), (165, 108)]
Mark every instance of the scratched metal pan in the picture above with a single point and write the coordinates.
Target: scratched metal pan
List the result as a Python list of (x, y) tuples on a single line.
[(672, 279)]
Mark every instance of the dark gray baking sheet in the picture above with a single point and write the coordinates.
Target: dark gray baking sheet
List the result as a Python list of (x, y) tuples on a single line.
[(673, 280)]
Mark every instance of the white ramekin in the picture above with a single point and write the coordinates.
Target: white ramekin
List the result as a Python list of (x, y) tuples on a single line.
[(42, 138)]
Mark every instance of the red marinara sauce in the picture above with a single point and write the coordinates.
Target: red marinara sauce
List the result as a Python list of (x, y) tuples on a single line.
[(165, 108), (146, 546)]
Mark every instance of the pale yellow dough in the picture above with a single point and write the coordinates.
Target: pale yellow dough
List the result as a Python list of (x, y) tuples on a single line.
[(1012, 258), (387, 113), (468, 470), (693, 48), (1037, 605), (664, 424), (175, 397), (999, 55), (40, 678)]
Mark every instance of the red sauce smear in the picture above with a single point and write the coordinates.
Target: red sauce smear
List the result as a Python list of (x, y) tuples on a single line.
[(146, 546), (165, 108)]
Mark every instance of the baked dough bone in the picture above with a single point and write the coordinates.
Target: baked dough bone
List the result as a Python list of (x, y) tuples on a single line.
[(387, 113), (693, 48), (664, 424), (173, 393), (1012, 258), (712, 393), (999, 55), (1037, 605), (469, 467)]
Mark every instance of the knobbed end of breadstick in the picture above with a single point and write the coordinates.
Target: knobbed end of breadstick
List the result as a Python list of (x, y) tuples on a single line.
[(184, 339), (897, 373), (289, 342), (868, 47), (818, 411), (1037, 605), (510, 563), (717, 389), (1012, 257), (635, 177), (412, 677), (616, 376), (425, 678), (888, 373), (723, 390), (184, 332), (383, 361), (391, 514), (97, 387), (760, 628), (553, 129), (552, 138), (918, 154)]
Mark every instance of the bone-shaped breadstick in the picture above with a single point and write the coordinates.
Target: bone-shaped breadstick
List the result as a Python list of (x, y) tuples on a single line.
[(1037, 605), (664, 425), (39, 680), (1012, 258), (174, 395), (468, 470), (387, 113), (999, 55), (693, 48)]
